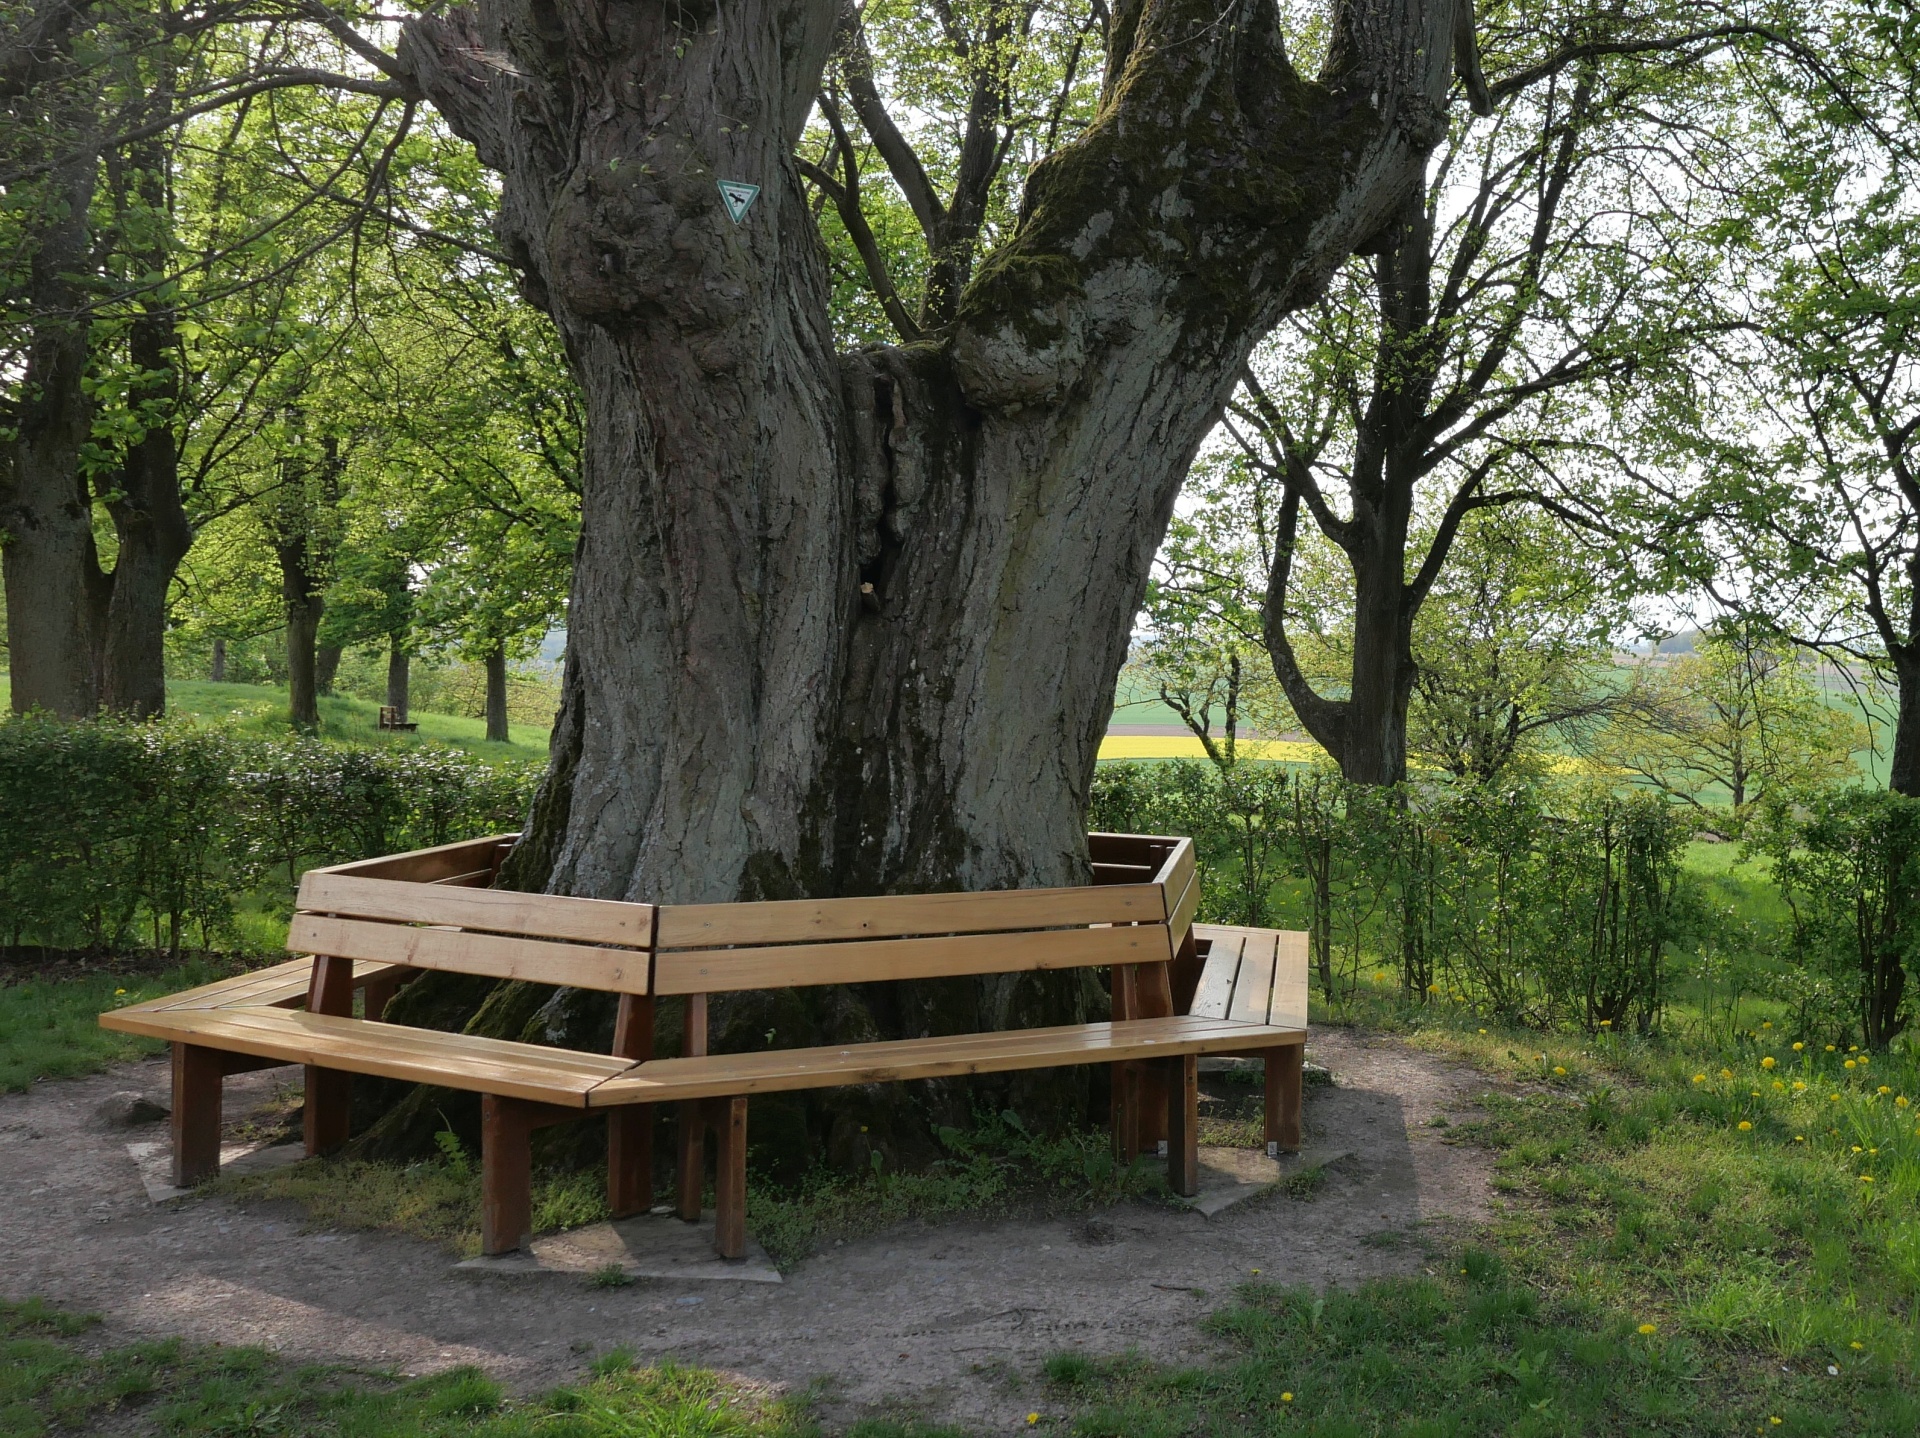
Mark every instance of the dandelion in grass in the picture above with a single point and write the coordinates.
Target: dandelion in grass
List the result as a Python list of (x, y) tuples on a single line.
[(1606, 1023), (1852, 1065), (1799, 1087), (1032, 1418), (1798, 1047), (1779, 1087), (1829, 1048), (1767, 1062), (1900, 1102), (1866, 1178), (1858, 1149), (1767, 1025), (1853, 1048), (1286, 1398), (1483, 1031), (1834, 1097), (1774, 1421), (1699, 1078), (1647, 1330), (1746, 1126), (1560, 1071), (1799, 1138), (1726, 1073), (1856, 1346), (1883, 1089), (119, 993)]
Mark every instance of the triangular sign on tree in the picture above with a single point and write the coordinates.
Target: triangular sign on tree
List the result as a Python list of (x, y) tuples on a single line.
[(737, 195)]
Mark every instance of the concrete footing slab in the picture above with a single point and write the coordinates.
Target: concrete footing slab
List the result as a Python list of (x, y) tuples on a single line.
[(154, 1159), (652, 1245), (1234, 1175)]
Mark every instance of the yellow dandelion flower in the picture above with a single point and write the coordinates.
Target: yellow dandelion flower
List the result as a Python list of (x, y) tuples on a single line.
[(1483, 1031), (1834, 1096), (1032, 1418), (1726, 1073), (1699, 1078), (1767, 1062), (1799, 1138), (1753, 1093), (1745, 1126), (1883, 1089), (1852, 1065), (1557, 1069), (118, 992), (1856, 1346), (1798, 1047), (1774, 1421), (1857, 1148), (1798, 1087), (1649, 1329), (1863, 1059), (1829, 1048), (1779, 1087), (1286, 1398), (1606, 1023), (1866, 1178), (1900, 1102), (1873, 1150)]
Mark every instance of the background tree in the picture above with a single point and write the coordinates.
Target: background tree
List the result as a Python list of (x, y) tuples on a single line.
[(1739, 717)]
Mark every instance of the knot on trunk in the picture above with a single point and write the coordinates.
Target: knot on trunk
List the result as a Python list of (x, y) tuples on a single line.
[(1022, 336)]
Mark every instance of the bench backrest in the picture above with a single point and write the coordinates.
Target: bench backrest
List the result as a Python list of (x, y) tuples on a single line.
[(429, 910), (356, 911)]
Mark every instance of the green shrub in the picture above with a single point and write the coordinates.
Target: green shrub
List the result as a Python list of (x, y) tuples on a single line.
[(113, 832)]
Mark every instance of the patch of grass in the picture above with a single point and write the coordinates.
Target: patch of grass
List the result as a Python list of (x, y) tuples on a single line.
[(262, 709), (50, 1028), (51, 1381), (997, 1167)]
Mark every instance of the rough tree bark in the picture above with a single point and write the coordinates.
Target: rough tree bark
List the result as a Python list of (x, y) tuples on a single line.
[(497, 694), (398, 678), (326, 667), (219, 674), (52, 568), (851, 623)]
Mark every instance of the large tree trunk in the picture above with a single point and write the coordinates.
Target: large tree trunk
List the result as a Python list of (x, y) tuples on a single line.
[(219, 675), (1903, 772), (398, 679), (52, 569), (326, 667), (303, 606), (850, 624), (497, 694)]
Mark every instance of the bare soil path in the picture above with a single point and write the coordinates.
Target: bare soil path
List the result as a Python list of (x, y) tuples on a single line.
[(948, 1322)]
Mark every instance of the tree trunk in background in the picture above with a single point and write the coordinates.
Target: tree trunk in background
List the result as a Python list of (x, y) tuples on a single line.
[(497, 694), (219, 661), (326, 667), (848, 624), (398, 676), (1903, 770), (52, 569), (303, 606)]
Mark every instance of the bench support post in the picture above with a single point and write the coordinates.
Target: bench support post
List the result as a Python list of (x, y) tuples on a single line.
[(692, 1175), (630, 1128), (1182, 1079), (506, 1175), (196, 1113), (1285, 1068), (729, 1117), (329, 1107)]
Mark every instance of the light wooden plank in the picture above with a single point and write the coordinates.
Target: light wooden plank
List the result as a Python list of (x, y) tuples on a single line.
[(665, 1080), (540, 916), (1214, 998), (1253, 989), (1177, 870), (684, 926), (622, 971), (698, 971), (261, 988), (1291, 981), (425, 865), (473, 879), (418, 1055), (1182, 910)]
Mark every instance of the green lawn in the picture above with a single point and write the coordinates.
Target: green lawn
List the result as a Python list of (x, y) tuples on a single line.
[(262, 709)]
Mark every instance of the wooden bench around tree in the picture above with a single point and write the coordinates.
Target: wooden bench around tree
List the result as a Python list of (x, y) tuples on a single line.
[(373, 925)]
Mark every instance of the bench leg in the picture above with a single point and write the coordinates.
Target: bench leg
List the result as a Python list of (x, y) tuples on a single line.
[(692, 1176), (196, 1113), (1284, 1073), (506, 1175), (1182, 1080), (1124, 1113), (630, 1160), (329, 1106), (730, 1177)]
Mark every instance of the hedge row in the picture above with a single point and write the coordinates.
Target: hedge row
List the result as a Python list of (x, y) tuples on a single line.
[(113, 833)]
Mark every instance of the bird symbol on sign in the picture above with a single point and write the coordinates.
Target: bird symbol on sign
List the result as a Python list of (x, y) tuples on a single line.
[(737, 196)]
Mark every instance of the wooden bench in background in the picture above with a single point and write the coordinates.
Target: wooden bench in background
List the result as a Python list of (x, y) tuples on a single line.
[(373, 925), (390, 719)]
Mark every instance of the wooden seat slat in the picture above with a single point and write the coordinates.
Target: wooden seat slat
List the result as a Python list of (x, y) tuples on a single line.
[(1253, 986), (1213, 999), (426, 866), (541, 916), (700, 971), (687, 926), (621, 971), (262, 988), (527, 1071), (783, 1070)]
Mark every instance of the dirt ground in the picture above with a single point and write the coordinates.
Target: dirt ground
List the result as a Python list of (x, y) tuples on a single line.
[(946, 1322)]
